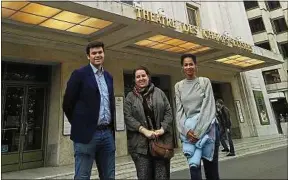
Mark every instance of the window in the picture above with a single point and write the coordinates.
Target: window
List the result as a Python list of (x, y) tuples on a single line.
[(279, 25), (273, 5), (256, 25), (250, 4), (271, 76), (264, 45), (192, 15), (12, 71), (284, 49), (128, 2)]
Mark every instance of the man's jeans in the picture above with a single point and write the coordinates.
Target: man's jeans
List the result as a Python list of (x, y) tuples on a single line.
[(101, 149)]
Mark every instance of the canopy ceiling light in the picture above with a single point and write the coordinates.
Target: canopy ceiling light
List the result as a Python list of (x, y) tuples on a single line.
[(238, 60), (169, 44), (45, 16)]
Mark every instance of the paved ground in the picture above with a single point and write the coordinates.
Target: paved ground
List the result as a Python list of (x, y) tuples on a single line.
[(268, 165)]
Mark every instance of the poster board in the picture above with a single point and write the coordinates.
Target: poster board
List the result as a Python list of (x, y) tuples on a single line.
[(119, 113), (261, 107), (239, 111), (66, 126)]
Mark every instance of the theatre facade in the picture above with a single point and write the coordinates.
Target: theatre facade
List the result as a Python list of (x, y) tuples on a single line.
[(43, 42)]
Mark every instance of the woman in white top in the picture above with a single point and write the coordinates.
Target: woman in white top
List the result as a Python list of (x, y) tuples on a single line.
[(194, 96)]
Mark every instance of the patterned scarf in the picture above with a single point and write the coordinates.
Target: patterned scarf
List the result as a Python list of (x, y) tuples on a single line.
[(145, 93)]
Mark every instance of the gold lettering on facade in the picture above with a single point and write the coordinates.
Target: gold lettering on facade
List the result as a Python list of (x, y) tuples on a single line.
[(153, 17), (138, 12), (188, 28), (193, 29), (184, 27), (170, 23), (145, 15)]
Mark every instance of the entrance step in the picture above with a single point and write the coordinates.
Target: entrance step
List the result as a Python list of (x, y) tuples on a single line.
[(125, 168), (249, 147)]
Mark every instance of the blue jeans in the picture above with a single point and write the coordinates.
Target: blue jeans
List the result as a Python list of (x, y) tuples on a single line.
[(101, 149)]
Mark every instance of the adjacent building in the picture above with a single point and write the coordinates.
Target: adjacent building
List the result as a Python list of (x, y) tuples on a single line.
[(43, 42), (268, 25)]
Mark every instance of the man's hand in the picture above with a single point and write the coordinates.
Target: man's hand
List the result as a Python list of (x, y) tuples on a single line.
[(159, 132), (191, 137)]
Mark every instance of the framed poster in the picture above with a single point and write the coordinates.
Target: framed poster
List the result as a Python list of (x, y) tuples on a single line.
[(119, 111), (66, 126), (239, 111), (261, 107)]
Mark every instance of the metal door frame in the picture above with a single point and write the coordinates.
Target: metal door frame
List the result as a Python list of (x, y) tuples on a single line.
[(27, 85)]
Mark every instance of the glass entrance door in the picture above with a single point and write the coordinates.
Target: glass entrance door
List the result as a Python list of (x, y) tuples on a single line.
[(23, 113), (33, 134), (12, 126)]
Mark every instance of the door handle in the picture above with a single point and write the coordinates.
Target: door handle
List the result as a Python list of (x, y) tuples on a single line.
[(22, 129), (26, 129)]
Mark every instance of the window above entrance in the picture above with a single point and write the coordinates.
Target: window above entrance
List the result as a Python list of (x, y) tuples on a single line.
[(11, 71), (169, 44), (45, 16)]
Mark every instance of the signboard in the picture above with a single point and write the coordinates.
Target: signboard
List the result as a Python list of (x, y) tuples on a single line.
[(261, 107), (239, 111), (66, 126), (120, 124)]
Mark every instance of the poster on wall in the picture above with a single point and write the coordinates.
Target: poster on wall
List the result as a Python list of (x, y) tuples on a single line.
[(66, 126), (120, 124), (239, 111), (261, 107)]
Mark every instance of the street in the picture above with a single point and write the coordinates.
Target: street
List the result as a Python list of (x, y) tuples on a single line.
[(268, 165)]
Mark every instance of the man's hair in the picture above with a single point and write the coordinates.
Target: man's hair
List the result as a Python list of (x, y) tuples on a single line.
[(188, 55), (93, 45), (220, 101)]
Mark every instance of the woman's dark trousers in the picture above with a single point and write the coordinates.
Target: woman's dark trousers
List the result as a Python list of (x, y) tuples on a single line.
[(210, 167)]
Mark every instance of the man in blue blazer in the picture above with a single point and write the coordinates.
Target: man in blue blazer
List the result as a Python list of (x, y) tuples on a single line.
[(89, 106)]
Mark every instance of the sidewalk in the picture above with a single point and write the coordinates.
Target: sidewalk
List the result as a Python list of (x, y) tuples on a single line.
[(125, 168)]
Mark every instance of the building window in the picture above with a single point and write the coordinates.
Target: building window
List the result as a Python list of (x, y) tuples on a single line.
[(128, 2), (273, 5), (264, 45), (192, 15), (279, 25), (271, 76), (250, 4), (284, 49), (256, 25)]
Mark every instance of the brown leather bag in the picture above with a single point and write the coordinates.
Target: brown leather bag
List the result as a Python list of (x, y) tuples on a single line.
[(158, 149)]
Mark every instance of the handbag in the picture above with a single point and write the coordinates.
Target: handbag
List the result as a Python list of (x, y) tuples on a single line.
[(158, 148)]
